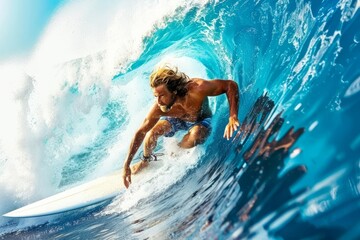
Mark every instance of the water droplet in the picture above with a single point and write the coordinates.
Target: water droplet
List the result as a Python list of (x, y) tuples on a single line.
[(313, 125), (295, 152), (353, 88), (298, 106)]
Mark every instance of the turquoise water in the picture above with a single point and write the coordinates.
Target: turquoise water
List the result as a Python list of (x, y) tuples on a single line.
[(77, 106)]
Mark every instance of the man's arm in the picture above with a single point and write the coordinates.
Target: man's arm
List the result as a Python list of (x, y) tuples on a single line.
[(136, 142), (217, 87)]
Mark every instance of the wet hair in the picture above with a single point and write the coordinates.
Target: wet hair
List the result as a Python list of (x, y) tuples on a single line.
[(175, 81)]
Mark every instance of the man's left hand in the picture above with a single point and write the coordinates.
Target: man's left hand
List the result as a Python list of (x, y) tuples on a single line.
[(231, 127)]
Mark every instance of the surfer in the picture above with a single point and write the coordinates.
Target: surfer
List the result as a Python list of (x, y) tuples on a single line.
[(181, 104)]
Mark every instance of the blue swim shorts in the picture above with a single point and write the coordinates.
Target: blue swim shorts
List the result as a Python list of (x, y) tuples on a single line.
[(178, 124)]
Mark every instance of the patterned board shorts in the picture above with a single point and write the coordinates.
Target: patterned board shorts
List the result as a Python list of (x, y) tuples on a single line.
[(178, 124)]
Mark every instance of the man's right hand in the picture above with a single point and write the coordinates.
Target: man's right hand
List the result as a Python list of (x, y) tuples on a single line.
[(127, 176)]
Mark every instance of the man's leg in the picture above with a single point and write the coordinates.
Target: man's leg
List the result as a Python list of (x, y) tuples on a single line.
[(161, 128), (196, 135)]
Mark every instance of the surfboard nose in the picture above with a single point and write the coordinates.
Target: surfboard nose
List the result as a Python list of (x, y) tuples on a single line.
[(16, 213), (87, 194), (9, 214)]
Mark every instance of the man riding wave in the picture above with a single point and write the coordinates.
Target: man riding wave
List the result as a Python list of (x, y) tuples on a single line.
[(181, 104)]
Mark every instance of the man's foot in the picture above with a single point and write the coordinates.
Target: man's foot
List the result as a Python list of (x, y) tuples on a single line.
[(137, 167)]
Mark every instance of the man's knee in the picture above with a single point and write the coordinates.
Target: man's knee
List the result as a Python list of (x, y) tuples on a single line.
[(199, 132), (197, 135), (156, 132), (150, 136)]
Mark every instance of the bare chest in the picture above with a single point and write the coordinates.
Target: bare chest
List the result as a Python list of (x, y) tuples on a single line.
[(186, 113), (191, 111)]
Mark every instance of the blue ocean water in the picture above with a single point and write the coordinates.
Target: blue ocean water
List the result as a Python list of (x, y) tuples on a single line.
[(72, 113)]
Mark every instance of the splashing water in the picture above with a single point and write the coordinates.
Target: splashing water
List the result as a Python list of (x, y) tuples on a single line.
[(291, 172)]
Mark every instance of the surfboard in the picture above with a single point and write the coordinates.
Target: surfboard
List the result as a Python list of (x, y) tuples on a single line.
[(87, 194)]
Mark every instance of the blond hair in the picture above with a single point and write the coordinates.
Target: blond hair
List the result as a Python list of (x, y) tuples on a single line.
[(174, 80)]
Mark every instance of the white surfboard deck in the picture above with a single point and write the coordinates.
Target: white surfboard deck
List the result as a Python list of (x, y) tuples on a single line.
[(93, 192)]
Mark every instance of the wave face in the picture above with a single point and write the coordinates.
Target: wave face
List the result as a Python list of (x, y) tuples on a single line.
[(293, 170)]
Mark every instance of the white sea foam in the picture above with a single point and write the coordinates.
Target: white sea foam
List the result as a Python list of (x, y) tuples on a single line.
[(82, 28), (54, 109), (16, 170), (173, 166)]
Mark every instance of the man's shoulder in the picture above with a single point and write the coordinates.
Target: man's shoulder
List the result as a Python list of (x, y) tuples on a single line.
[(197, 80), (197, 89), (196, 83)]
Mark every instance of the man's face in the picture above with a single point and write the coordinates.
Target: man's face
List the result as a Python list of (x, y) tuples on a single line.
[(165, 99)]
